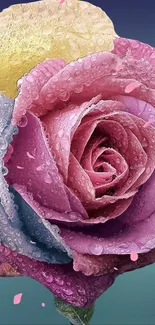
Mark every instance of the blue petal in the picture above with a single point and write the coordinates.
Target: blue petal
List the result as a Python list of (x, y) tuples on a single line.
[(16, 232), (41, 231), (6, 136)]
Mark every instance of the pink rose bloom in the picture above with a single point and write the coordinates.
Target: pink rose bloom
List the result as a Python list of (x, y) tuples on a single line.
[(81, 171)]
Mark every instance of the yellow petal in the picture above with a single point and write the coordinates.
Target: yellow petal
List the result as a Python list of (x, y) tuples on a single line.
[(31, 32)]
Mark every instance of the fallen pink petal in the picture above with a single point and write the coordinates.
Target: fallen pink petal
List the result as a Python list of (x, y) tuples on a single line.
[(134, 256), (17, 298)]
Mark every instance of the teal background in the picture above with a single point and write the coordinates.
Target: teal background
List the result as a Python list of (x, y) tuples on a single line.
[(131, 300)]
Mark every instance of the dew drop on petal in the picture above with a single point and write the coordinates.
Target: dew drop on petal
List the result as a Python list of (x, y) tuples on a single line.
[(40, 168), (33, 242), (67, 291), (119, 67), (17, 298), (78, 89), (133, 256), (3, 143), (59, 281), (48, 179), (4, 171), (82, 291), (60, 133), (23, 122), (74, 216), (96, 249), (49, 279)]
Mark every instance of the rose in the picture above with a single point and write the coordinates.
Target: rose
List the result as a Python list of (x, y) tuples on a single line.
[(106, 98), (37, 167)]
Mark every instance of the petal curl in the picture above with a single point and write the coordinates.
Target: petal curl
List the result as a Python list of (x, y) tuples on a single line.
[(36, 162), (98, 73), (132, 231), (31, 84), (62, 280), (43, 234), (108, 264), (100, 70), (12, 233)]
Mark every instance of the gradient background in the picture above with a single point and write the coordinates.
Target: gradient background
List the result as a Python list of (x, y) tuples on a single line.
[(131, 300)]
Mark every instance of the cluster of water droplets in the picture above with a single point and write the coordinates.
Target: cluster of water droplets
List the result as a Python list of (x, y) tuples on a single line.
[(61, 284)]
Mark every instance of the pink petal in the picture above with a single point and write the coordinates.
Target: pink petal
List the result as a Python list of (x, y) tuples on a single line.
[(94, 265), (132, 231), (60, 127), (107, 264), (79, 181), (17, 298), (32, 139), (31, 85), (62, 280), (137, 107), (103, 77), (78, 212)]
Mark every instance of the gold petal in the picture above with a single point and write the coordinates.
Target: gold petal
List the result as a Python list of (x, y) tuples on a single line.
[(32, 32)]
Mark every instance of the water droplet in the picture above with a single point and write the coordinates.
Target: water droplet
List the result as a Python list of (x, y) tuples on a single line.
[(119, 67), (78, 89), (144, 142), (15, 130), (96, 249), (64, 96), (48, 179), (4, 171), (6, 251), (80, 60), (3, 143), (40, 168), (49, 279), (152, 56), (87, 64), (48, 163), (23, 122), (93, 58), (32, 242), (65, 75), (74, 216), (60, 133), (82, 291), (59, 281), (123, 245), (67, 291), (30, 78)]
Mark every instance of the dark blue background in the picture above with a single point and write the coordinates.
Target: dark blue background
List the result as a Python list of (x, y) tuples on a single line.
[(131, 300)]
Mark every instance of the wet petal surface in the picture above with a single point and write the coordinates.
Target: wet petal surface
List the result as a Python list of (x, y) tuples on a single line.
[(62, 280)]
